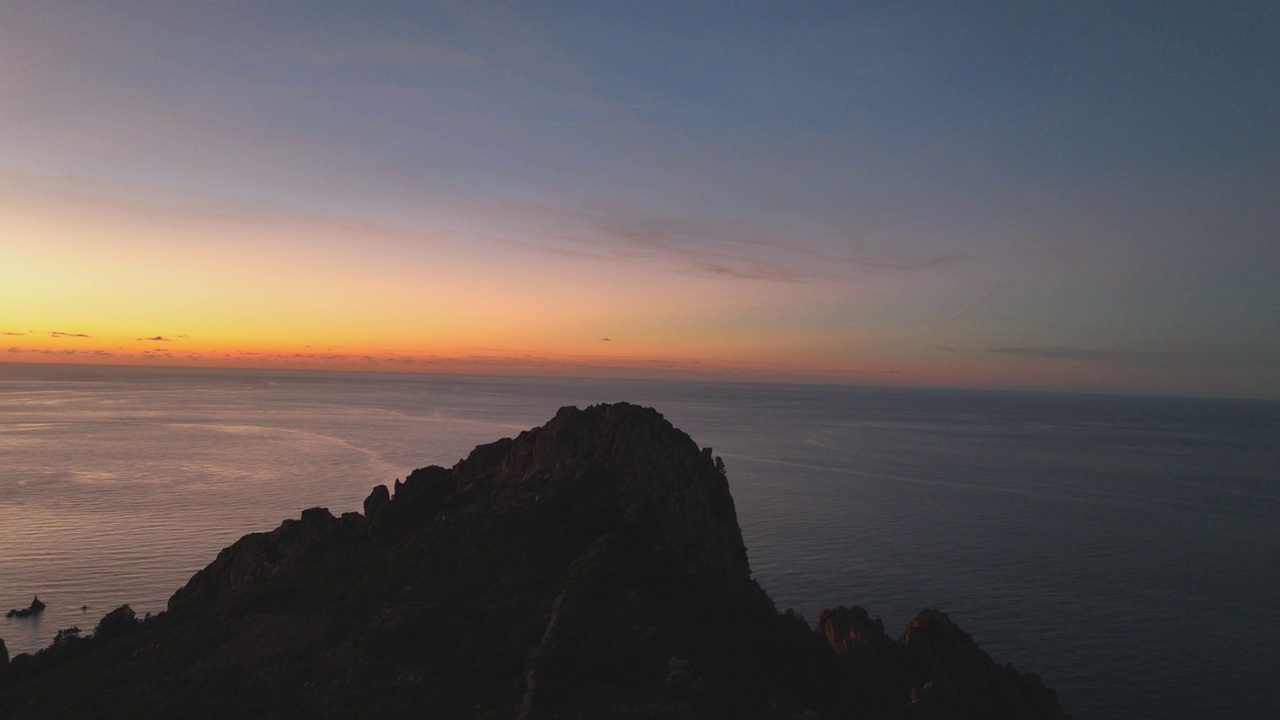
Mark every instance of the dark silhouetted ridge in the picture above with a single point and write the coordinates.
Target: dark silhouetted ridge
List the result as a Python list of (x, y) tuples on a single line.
[(592, 567)]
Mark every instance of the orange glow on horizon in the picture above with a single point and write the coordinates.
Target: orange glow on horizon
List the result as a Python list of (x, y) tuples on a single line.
[(601, 358)]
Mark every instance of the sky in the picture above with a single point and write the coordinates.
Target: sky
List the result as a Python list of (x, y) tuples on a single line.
[(1059, 195)]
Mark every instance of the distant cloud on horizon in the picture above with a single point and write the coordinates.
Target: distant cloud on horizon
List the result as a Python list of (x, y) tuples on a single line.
[(12, 333), (1199, 353), (1057, 352), (157, 338), (63, 352), (55, 333)]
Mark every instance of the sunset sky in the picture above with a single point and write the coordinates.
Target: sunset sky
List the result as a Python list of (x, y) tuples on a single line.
[(1022, 194)]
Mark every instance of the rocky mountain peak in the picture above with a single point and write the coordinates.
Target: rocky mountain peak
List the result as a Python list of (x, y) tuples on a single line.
[(590, 567), (630, 464)]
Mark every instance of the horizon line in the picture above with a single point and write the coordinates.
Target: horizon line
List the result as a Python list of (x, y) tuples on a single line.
[(748, 377)]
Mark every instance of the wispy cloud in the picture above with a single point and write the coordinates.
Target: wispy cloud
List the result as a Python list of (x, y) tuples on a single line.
[(697, 247), (415, 55), (715, 247), (67, 335), (1079, 354), (880, 261), (157, 338), (1191, 353), (977, 303), (12, 333)]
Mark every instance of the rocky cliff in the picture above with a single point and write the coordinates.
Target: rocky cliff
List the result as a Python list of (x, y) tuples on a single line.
[(589, 568)]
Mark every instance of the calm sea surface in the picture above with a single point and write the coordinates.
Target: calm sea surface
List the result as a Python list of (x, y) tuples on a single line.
[(1126, 549)]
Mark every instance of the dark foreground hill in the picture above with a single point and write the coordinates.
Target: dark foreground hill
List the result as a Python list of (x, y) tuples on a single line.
[(589, 568)]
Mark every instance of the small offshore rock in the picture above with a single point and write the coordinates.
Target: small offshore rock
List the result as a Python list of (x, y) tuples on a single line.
[(35, 608)]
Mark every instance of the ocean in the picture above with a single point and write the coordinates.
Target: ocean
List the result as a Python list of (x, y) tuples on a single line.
[(1124, 548)]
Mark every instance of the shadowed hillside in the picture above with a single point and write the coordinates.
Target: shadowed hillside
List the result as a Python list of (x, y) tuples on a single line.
[(589, 568)]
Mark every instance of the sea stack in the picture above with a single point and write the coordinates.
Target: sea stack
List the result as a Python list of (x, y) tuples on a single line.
[(35, 608), (589, 568)]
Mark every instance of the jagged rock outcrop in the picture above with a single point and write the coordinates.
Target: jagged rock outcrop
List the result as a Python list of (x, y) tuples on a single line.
[(35, 608), (935, 670), (629, 464), (589, 568), (949, 657), (257, 557)]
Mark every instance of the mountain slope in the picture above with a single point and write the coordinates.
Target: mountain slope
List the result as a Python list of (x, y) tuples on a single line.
[(592, 567)]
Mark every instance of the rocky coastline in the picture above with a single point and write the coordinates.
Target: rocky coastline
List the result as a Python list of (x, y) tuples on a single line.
[(592, 567)]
